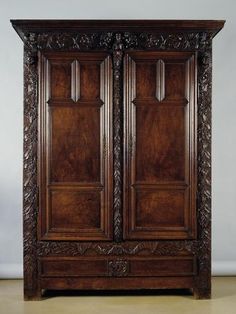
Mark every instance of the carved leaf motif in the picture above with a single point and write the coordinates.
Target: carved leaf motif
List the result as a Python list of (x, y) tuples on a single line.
[(75, 41), (203, 281), (127, 40), (30, 191), (159, 248), (117, 127), (168, 41)]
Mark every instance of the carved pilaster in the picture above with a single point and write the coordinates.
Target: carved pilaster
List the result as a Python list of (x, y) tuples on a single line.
[(203, 280), (117, 127), (30, 191)]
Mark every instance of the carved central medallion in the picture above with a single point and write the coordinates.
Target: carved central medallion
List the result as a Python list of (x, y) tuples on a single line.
[(118, 268)]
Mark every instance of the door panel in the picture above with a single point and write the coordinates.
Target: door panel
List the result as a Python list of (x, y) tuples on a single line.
[(160, 152), (76, 146), (160, 149)]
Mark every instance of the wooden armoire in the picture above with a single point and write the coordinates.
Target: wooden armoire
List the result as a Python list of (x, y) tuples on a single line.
[(117, 154)]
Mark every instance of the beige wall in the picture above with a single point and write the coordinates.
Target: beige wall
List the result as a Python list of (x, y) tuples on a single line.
[(224, 111)]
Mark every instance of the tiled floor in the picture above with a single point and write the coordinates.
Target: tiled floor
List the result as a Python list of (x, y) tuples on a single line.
[(223, 302)]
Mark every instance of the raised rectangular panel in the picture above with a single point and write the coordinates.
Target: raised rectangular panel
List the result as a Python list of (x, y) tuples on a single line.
[(161, 148), (175, 80), (146, 79), (159, 212), (90, 80), (60, 79), (75, 148), (159, 209), (75, 211)]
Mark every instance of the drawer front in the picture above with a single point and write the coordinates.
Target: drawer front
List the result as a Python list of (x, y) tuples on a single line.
[(118, 267), (73, 267)]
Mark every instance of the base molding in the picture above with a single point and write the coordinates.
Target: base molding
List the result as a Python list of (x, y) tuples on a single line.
[(219, 268)]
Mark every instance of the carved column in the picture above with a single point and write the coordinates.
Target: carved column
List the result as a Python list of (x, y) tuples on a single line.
[(117, 131)]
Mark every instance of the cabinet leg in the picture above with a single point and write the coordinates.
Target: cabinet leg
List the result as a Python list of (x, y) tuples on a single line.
[(202, 294), (33, 295)]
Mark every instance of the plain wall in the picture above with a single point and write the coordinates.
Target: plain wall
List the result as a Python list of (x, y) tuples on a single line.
[(224, 110)]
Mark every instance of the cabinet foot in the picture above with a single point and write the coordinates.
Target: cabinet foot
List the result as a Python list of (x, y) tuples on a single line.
[(33, 295), (202, 294)]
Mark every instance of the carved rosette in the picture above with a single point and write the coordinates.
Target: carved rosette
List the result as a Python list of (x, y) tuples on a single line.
[(30, 191), (118, 268)]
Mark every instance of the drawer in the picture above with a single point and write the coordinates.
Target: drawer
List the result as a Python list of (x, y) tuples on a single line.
[(63, 267), (117, 267), (164, 266)]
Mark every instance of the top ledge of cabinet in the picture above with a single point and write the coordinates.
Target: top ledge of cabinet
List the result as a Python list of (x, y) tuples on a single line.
[(41, 26)]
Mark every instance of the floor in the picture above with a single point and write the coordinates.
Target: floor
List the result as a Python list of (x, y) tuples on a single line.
[(223, 301)]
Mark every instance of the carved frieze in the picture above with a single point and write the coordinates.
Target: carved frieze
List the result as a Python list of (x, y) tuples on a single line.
[(158, 248), (128, 40)]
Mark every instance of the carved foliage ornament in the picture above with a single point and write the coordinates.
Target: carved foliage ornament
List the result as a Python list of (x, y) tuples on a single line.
[(106, 40), (30, 192), (157, 248), (117, 131), (204, 170)]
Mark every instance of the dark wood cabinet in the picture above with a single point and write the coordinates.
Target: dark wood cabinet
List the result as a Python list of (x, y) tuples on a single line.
[(117, 154)]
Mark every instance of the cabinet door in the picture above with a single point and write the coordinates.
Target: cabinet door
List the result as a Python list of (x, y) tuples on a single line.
[(75, 146), (160, 145)]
